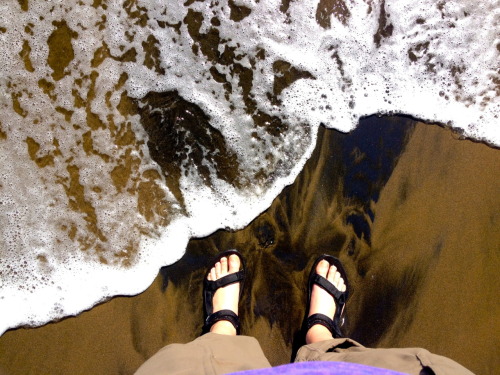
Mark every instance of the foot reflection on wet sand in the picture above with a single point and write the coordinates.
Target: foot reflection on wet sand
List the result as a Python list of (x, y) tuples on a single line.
[(414, 216)]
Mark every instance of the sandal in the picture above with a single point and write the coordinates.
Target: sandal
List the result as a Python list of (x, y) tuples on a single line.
[(210, 287), (339, 297)]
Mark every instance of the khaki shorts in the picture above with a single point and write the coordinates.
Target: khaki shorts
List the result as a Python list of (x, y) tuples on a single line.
[(214, 354)]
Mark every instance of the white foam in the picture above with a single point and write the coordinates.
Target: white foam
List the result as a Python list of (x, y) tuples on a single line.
[(440, 64)]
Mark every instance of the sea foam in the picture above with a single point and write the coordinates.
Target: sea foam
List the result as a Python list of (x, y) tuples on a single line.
[(88, 213)]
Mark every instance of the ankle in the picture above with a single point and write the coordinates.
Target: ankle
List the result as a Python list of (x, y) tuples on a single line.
[(318, 333), (223, 327)]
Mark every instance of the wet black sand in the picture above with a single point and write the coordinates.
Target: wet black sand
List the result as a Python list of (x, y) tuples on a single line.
[(411, 210)]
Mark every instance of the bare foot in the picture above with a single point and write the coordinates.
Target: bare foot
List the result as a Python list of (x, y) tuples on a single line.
[(322, 302), (225, 298)]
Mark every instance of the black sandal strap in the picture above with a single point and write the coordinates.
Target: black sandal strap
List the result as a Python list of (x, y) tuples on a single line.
[(326, 322), (330, 288), (210, 287), (236, 277), (228, 315), (340, 298)]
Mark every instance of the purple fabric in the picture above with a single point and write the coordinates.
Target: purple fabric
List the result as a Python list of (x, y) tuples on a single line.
[(320, 368)]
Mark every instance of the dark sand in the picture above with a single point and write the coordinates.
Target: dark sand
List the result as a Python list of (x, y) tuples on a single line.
[(414, 214)]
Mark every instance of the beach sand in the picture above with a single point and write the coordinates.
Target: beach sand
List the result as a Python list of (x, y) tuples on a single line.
[(413, 213)]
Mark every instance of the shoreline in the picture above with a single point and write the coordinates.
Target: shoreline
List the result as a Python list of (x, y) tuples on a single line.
[(409, 219)]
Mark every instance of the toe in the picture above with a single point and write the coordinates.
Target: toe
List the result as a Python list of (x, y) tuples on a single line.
[(332, 271), (223, 266), (341, 285), (213, 276), (322, 268), (337, 278), (234, 263), (217, 270)]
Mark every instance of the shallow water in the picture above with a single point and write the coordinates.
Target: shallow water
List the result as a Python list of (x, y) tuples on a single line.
[(413, 216), (128, 127)]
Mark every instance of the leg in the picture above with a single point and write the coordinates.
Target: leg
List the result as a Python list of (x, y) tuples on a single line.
[(218, 352), (227, 297), (210, 354), (321, 346), (414, 361), (322, 302)]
